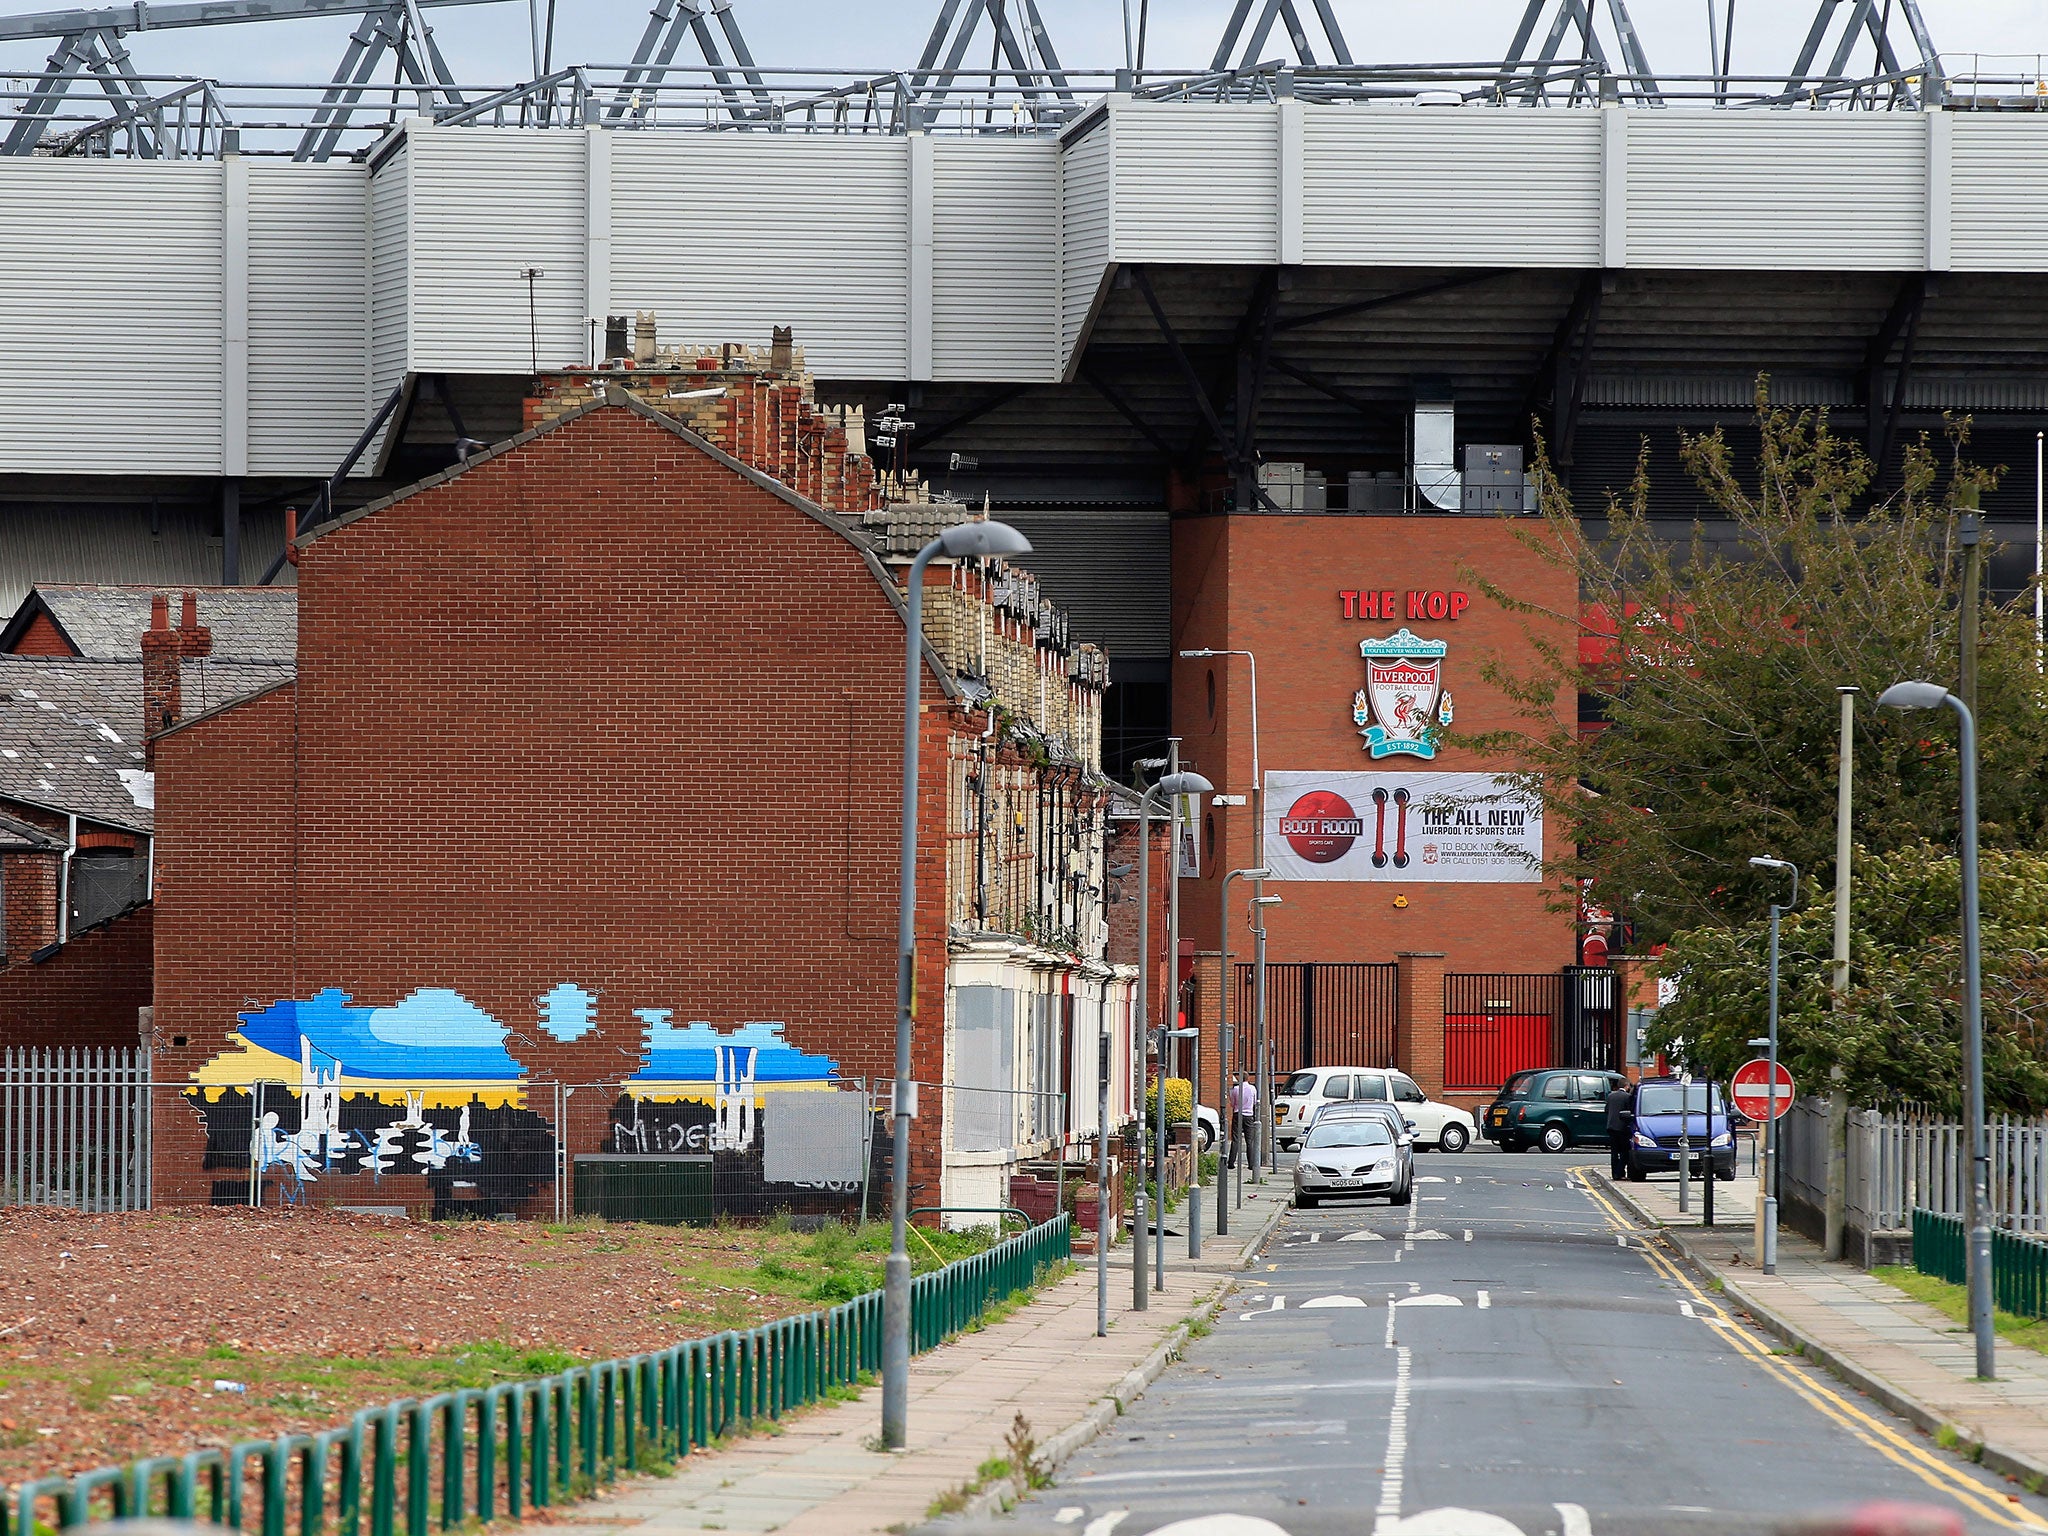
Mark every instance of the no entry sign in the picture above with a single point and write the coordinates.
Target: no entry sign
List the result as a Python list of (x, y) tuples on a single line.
[(1753, 1098)]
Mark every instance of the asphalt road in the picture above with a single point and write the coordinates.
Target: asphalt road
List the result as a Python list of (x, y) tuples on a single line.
[(1503, 1356)]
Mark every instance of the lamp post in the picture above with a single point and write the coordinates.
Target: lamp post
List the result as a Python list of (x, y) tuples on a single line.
[(1767, 1187), (1258, 846), (1259, 905), (962, 540), (1911, 695), (1172, 784), (1228, 1119)]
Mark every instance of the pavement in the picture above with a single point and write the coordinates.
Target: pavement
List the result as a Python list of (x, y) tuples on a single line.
[(1516, 1353), (819, 1473), (1902, 1352)]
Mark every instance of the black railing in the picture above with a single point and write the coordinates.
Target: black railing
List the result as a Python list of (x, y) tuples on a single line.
[(1319, 1013)]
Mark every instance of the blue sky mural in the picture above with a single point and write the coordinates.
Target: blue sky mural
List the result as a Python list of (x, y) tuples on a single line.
[(688, 1053), (434, 1033)]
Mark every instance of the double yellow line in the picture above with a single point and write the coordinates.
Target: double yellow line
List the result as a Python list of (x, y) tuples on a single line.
[(1930, 1467)]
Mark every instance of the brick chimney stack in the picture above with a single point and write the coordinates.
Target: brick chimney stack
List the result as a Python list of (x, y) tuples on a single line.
[(163, 653)]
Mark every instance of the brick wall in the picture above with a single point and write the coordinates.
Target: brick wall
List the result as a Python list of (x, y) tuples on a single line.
[(1270, 585), (87, 993), (597, 710), (29, 883), (42, 638)]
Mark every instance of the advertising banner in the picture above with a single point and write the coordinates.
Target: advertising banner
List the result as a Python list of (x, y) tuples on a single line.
[(1474, 828)]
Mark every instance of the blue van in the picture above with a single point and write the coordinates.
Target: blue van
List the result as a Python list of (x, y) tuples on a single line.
[(1664, 1105)]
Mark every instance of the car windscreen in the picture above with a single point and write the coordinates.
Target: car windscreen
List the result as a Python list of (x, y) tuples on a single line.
[(1300, 1083), (1355, 1131), (1517, 1086), (1670, 1098)]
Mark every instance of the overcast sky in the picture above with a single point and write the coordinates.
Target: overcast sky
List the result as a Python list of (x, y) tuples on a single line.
[(488, 42)]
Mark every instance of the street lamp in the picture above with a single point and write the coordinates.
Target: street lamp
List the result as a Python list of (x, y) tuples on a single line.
[(1228, 1118), (1173, 785), (1767, 1190), (1258, 815), (961, 541), (1259, 1041), (1912, 695)]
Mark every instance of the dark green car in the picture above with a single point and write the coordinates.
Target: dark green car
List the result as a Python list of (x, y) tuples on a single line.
[(1553, 1108)]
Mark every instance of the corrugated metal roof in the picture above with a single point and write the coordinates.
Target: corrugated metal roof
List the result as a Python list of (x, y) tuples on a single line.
[(1110, 569), (122, 544)]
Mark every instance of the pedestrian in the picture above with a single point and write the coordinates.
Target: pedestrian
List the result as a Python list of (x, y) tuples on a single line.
[(1244, 1117), (1621, 1124)]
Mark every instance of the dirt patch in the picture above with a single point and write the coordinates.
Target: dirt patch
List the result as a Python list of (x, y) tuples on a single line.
[(158, 1332)]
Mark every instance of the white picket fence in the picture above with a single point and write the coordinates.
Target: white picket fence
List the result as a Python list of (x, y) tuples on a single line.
[(1900, 1159), (74, 1128)]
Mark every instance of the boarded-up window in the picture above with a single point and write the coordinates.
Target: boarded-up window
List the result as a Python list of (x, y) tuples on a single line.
[(984, 1069)]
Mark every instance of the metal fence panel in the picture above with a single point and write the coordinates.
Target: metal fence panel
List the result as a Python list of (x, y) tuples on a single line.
[(1318, 1014), (1912, 1159), (74, 1127)]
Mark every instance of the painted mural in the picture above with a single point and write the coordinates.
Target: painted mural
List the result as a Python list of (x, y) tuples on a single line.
[(324, 1098)]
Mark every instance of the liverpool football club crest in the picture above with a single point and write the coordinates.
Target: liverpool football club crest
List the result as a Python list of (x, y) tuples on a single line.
[(1403, 703)]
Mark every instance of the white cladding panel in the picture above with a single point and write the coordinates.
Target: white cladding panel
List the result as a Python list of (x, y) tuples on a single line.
[(1199, 186), (1784, 190), (1086, 168), (727, 235), (390, 267), (995, 257), (308, 294), (1460, 186), (488, 203), (1998, 192), (111, 316)]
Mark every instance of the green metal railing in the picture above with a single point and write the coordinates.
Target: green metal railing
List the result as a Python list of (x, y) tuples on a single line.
[(2019, 1264), (417, 1466)]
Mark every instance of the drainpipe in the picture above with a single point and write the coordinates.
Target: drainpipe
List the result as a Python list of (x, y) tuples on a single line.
[(64, 883), (149, 872)]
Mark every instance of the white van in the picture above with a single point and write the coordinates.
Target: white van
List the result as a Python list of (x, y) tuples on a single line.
[(1442, 1126)]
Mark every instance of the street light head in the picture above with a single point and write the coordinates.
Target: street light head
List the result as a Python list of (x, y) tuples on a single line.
[(1266, 901), (1184, 784), (1251, 874), (1196, 655), (1912, 696), (983, 538), (1763, 863)]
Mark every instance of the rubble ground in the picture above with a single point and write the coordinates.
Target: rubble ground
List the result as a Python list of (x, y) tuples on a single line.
[(149, 1333)]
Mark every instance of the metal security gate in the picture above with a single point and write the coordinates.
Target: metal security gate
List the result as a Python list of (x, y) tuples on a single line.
[(1500, 1023), (74, 1128), (1320, 1013)]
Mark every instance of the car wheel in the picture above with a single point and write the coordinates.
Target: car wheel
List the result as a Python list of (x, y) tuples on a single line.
[(1452, 1139), (1208, 1137), (1304, 1202), (1555, 1138), (1405, 1197)]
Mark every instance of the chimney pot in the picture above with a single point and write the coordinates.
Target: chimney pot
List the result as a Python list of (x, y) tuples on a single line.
[(159, 611), (189, 617)]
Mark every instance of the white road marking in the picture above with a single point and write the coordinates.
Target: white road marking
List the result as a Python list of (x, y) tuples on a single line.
[(1433, 1299), (1457, 1178), (1428, 1234), (1448, 1521), (1621, 1239), (1387, 1517), (1686, 1308), (1576, 1521), (1069, 1515), (1485, 1300), (1427, 1178), (1102, 1525), (1468, 1234), (1436, 1199), (1221, 1525), (1361, 1237), (1332, 1301), (1279, 1305)]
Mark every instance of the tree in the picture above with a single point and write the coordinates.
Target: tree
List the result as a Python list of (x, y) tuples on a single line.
[(1901, 1037), (1717, 676)]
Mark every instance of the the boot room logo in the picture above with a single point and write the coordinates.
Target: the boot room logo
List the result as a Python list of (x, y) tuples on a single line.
[(1403, 709)]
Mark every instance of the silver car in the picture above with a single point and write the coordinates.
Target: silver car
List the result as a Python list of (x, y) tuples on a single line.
[(1354, 1154)]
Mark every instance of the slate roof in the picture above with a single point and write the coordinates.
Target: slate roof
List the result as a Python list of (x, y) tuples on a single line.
[(106, 623), (71, 730)]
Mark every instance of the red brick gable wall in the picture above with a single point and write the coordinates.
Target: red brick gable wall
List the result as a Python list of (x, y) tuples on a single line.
[(87, 993), (599, 711), (43, 638)]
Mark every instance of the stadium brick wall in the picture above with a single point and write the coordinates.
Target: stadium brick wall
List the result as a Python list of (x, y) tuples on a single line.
[(1270, 584)]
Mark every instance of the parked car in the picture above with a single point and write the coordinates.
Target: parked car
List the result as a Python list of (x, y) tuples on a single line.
[(1349, 1109), (1442, 1126), (1662, 1106), (1348, 1155), (1552, 1108)]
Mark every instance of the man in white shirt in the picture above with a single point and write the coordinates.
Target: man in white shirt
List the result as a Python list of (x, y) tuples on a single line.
[(1244, 1117)]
